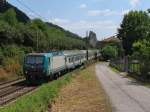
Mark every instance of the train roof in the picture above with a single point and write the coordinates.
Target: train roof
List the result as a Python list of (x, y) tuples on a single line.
[(73, 52), (39, 54), (61, 53), (46, 54)]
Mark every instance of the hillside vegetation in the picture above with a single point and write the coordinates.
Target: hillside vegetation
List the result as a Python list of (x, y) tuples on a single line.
[(18, 38), (22, 17)]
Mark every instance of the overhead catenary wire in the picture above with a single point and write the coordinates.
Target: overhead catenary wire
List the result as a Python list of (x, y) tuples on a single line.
[(30, 9), (24, 5)]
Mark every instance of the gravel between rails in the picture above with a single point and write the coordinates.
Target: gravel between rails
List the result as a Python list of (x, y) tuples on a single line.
[(125, 94)]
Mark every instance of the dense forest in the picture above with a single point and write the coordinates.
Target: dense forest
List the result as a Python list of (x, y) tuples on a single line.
[(19, 36), (21, 16), (36, 32)]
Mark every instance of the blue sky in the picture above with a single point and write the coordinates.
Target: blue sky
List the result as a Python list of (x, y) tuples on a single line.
[(79, 16)]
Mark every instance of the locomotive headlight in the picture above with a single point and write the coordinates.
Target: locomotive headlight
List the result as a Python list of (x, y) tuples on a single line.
[(26, 72), (43, 71)]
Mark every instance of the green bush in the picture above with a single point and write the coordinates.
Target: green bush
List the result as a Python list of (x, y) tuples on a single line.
[(142, 53), (109, 52), (11, 58), (12, 51)]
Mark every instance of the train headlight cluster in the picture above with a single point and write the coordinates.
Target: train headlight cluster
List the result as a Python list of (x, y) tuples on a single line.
[(43, 71), (26, 72)]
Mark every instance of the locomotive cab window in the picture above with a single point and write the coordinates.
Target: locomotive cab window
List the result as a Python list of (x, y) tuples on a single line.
[(34, 60)]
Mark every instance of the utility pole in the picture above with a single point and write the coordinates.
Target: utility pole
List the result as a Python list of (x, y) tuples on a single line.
[(37, 41), (125, 58), (87, 53)]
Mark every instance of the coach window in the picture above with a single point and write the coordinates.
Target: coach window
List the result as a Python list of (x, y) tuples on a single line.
[(69, 60), (72, 59), (75, 58)]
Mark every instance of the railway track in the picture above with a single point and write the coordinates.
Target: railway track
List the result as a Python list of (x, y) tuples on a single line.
[(12, 90), (8, 83)]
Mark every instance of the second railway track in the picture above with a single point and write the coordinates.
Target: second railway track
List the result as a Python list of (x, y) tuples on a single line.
[(13, 96), (9, 83), (12, 90)]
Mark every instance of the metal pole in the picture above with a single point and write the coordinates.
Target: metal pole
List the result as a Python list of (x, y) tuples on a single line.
[(37, 41), (87, 53)]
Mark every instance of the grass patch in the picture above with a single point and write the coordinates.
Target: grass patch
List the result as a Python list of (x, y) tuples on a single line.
[(83, 94), (114, 69), (118, 72), (38, 100)]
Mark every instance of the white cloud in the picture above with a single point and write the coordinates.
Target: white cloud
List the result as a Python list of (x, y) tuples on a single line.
[(31, 15), (125, 11), (102, 28), (83, 6), (134, 3), (59, 21), (90, 25), (107, 12), (97, 0), (94, 12)]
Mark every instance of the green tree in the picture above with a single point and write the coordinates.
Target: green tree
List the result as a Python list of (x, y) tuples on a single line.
[(7, 33), (142, 53), (10, 17), (135, 26), (148, 10), (109, 52)]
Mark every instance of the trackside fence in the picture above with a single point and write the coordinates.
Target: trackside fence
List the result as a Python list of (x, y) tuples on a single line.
[(137, 68)]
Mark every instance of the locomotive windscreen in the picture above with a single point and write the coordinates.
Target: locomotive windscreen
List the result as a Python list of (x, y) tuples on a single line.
[(34, 60)]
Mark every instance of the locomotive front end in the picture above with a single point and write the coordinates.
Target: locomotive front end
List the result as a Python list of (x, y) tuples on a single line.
[(34, 67)]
